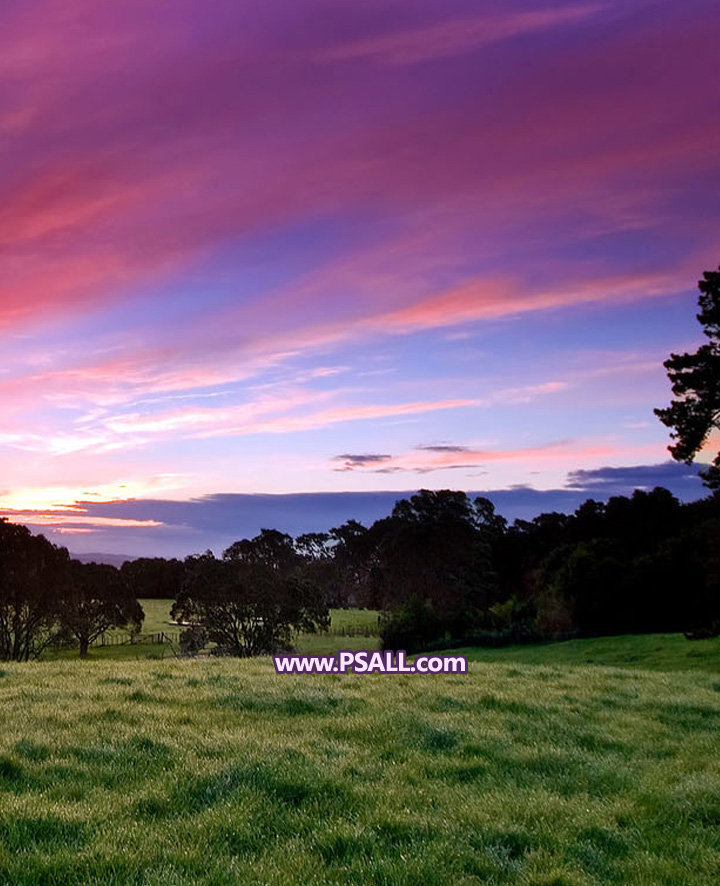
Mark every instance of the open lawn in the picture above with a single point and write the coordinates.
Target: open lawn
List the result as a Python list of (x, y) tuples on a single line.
[(216, 772)]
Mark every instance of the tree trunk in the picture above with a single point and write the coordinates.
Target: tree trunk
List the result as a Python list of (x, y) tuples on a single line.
[(84, 644)]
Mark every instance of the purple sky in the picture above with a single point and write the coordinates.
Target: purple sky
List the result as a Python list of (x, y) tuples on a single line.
[(322, 247)]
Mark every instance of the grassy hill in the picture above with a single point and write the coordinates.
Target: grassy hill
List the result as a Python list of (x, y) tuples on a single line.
[(656, 652), (535, 769)]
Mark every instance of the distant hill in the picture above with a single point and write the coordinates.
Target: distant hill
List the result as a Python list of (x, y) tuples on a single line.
[(110, 559)]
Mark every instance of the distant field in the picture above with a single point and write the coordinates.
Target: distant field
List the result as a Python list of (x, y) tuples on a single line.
[(157, 617), (219, 772)]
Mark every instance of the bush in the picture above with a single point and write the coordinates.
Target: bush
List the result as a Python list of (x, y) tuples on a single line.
[(412, 626), (193, 640)]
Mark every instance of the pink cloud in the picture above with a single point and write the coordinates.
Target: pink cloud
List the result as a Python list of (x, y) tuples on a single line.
[(192, 420), (324, 418), (153, 179), (484, 299), (188, 366), (438, 458)]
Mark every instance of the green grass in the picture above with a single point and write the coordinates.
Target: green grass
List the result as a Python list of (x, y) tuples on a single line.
[(354, 618), (157, 616), (219, 772), (327, 644), (657, 652)]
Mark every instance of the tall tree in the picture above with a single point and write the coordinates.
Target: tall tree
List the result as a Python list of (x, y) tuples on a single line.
[(353, 559), (97, 599), (695, 380), (435, 548)]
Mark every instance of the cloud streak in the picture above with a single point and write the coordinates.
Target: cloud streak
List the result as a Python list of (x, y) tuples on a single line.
[(458, 36), (426, 459), (151, 179)]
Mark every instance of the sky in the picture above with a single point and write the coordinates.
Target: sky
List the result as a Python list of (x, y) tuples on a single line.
[(291, 261)]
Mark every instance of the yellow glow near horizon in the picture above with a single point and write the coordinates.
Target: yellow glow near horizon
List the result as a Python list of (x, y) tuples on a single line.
[(72, 498), (83, 520)]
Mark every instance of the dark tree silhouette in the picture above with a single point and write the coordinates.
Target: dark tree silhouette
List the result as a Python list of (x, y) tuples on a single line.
[(695, 382), (272, 549), (434, 565), (33, 573), (252, 601), (353, 559), (154, 576), (314, 546), (97, 599)]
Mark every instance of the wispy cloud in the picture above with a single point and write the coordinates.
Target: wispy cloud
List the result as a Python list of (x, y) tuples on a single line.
[(426, 459), (349, 462), (447, 38), (78, 522), (442, 448), (326, 417)]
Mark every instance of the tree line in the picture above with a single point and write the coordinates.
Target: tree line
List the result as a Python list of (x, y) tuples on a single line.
[(442, 569), (445, 570)]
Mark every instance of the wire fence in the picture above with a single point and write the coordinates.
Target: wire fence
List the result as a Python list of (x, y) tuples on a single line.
[(159, 638)]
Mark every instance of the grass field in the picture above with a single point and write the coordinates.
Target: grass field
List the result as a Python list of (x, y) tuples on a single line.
[(535, 769), (157, 616)]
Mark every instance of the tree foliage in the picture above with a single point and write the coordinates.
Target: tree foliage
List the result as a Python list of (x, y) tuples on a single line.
[(270, 549), (253, 600), (434, 547), (630, 565), (33, 574), (695, 379), (96, 599), (154, 577)]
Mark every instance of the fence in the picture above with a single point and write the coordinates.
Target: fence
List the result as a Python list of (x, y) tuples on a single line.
[(359, 630), (173, 637), (158, 638)]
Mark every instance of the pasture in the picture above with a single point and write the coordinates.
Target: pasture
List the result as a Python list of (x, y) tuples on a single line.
[(216, 772), (349, 629)]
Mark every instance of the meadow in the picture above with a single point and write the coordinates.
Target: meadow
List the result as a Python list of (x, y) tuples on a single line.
[(536, 768)]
